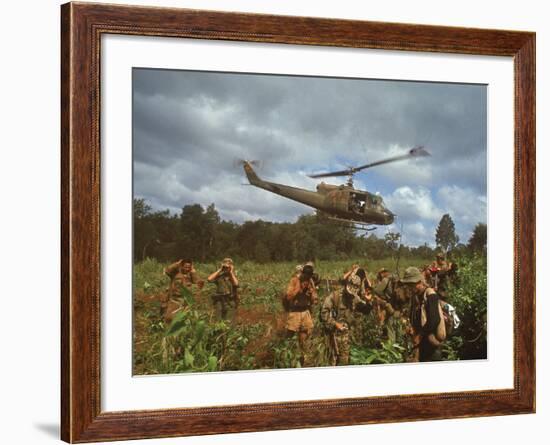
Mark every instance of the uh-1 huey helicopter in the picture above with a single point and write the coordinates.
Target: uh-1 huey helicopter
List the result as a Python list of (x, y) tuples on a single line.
[(344, 203)]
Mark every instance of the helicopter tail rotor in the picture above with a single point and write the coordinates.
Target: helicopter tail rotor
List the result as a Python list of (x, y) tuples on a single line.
[(238, 162)]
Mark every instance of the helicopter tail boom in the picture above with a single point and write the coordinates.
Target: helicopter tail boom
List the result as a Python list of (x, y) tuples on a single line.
[(251, 175), (303, 196)]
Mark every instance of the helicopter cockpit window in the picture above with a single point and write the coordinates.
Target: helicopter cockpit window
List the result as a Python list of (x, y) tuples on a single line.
[(377, 201)]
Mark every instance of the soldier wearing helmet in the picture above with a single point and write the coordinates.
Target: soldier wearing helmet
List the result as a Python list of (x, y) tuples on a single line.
[(225, 296), (387, 302), (182, 274), (300, 296), (426, 317), (338, 313)]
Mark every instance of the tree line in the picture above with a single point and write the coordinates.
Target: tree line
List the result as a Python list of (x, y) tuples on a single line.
[(200, 234)]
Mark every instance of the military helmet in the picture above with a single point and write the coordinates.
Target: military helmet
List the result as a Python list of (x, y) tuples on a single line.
[(227, 262), (307, 270), (355, 285), (412, 275)]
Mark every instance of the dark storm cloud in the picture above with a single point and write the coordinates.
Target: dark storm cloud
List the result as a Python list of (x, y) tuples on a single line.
[(190, 127)]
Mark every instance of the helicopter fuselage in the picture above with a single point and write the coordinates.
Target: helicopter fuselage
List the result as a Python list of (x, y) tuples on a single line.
[(338, 201)]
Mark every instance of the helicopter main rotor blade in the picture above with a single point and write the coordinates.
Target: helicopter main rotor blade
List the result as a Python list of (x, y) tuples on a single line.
[(415, 152), (327, 175)]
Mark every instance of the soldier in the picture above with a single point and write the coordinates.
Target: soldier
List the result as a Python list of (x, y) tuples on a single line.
[(182, 274), (315, 276), (384, 299), (337, 314), (426, 270), (440, 271), (355, 268), (225, 279), (300, 296), (384, 287), (426, 317)]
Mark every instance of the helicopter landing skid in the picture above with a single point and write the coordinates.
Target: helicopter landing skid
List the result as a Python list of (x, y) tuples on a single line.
[(354, 224)]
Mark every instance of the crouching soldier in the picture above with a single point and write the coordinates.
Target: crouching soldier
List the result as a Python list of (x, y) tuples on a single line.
[(182, 274), (337, 314), (387, 302), (353, 270), (300, 296), (426, 317), (225, 279)]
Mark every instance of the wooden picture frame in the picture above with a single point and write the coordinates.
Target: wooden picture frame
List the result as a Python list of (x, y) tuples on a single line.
[(82, 26)]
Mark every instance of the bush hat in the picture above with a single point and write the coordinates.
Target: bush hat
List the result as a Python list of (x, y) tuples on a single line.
[(412, 275)]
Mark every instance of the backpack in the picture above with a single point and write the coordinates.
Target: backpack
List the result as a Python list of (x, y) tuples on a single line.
[(441, 331), (334, 312), (452, 321)]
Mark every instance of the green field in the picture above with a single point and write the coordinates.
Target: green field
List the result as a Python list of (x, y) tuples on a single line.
[(254, 338)]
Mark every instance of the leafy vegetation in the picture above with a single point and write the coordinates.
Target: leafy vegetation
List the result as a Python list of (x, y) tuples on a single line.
[(254, 338), (469, 297)]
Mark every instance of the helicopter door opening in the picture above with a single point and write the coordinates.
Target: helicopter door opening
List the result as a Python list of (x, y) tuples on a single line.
[(357, 202)]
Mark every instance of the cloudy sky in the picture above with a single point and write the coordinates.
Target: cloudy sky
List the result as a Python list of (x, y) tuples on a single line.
[(191, 127)]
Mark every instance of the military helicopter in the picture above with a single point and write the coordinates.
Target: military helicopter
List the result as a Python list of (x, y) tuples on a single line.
[(344, 203)]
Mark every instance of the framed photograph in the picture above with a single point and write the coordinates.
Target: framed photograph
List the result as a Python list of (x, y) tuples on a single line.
[(282, 222)]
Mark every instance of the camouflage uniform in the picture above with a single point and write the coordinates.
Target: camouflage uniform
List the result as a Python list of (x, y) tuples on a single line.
[(180, 278), (340, 307), (300, 296), (225, 296), (425, 317), (439, 271), (384, 292), (384, 299)]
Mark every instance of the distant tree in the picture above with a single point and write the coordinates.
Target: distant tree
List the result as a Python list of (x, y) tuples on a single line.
[(261, 253), (424, 251), (392, 240), (200, 233), (197, 230), (445, 236), (478, 240), (374, 247), (141, 208), (144, 229)]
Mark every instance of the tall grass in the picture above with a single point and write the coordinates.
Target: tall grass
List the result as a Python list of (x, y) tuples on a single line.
[(255, 339)]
